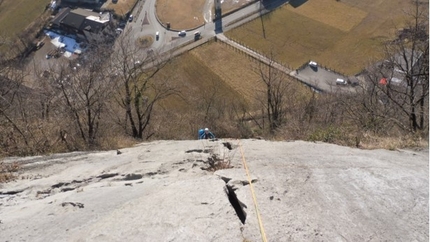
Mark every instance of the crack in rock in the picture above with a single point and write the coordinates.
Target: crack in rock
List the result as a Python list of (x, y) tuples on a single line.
[(225, 179), (132, 176), (107, 175), (12, 192), (228, 145), (66, 189), (58, 185), (79, 205), (151, 173), (199, 151), (246, 182), (236, 203)]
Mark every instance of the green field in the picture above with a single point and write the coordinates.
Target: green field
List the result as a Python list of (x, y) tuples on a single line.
[(16, 15), (342, 35)]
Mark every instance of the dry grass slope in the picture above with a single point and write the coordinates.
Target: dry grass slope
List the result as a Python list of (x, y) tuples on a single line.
[(7, 171), (16, 15), (196, 80), (235, 68), (122, 6), (181, 14), (343, 35)]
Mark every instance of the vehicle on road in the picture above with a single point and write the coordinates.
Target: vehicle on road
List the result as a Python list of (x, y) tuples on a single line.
[(182, 33), (197, 35), (130, 18), (340, 81), (157, 35)]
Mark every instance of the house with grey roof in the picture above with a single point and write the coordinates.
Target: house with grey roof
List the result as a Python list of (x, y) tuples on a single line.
[(86, 25)]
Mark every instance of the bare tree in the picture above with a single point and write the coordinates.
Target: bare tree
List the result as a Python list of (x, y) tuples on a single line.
[(400, 84), (139, 86), (278, 91), (17, 111), (84, 93)]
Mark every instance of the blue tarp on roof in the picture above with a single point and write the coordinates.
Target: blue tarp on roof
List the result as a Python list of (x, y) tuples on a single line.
[(70, 44)]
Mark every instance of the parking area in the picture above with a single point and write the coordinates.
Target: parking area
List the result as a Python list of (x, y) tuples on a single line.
[(323, 79), (57, 57)]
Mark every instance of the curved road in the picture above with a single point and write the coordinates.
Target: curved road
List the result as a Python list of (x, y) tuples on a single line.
[(146, 23)]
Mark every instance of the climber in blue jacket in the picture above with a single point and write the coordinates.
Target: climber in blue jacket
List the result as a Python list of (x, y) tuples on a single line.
[(206, 134)]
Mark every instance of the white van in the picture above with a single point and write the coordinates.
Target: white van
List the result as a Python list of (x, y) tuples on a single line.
[(313, 64), (182, 33), (340, 81)]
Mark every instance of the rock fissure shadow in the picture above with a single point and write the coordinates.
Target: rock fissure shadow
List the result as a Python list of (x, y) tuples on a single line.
[(107, 175), (199, 151), (228, 145), (132, 176), (13, 192), (236, 203)]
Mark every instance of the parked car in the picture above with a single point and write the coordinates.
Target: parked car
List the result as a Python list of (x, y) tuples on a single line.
[(130, 18), (122, 25), (313, 64), (39, 45), (182, 33), (119, 31)]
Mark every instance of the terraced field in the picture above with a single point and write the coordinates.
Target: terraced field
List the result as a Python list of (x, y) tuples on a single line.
[(343, 35)]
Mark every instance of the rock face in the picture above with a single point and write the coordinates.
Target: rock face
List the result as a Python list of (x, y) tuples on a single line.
[(167, 191)]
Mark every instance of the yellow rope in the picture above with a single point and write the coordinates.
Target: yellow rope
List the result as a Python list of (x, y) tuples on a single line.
[(260, 223)]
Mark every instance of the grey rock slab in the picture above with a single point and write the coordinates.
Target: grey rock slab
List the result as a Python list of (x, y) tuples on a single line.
[(322, 192), (156, 191)]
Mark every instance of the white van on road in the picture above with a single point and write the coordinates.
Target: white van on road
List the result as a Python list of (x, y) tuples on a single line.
[(340, 81), (182, 33)]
